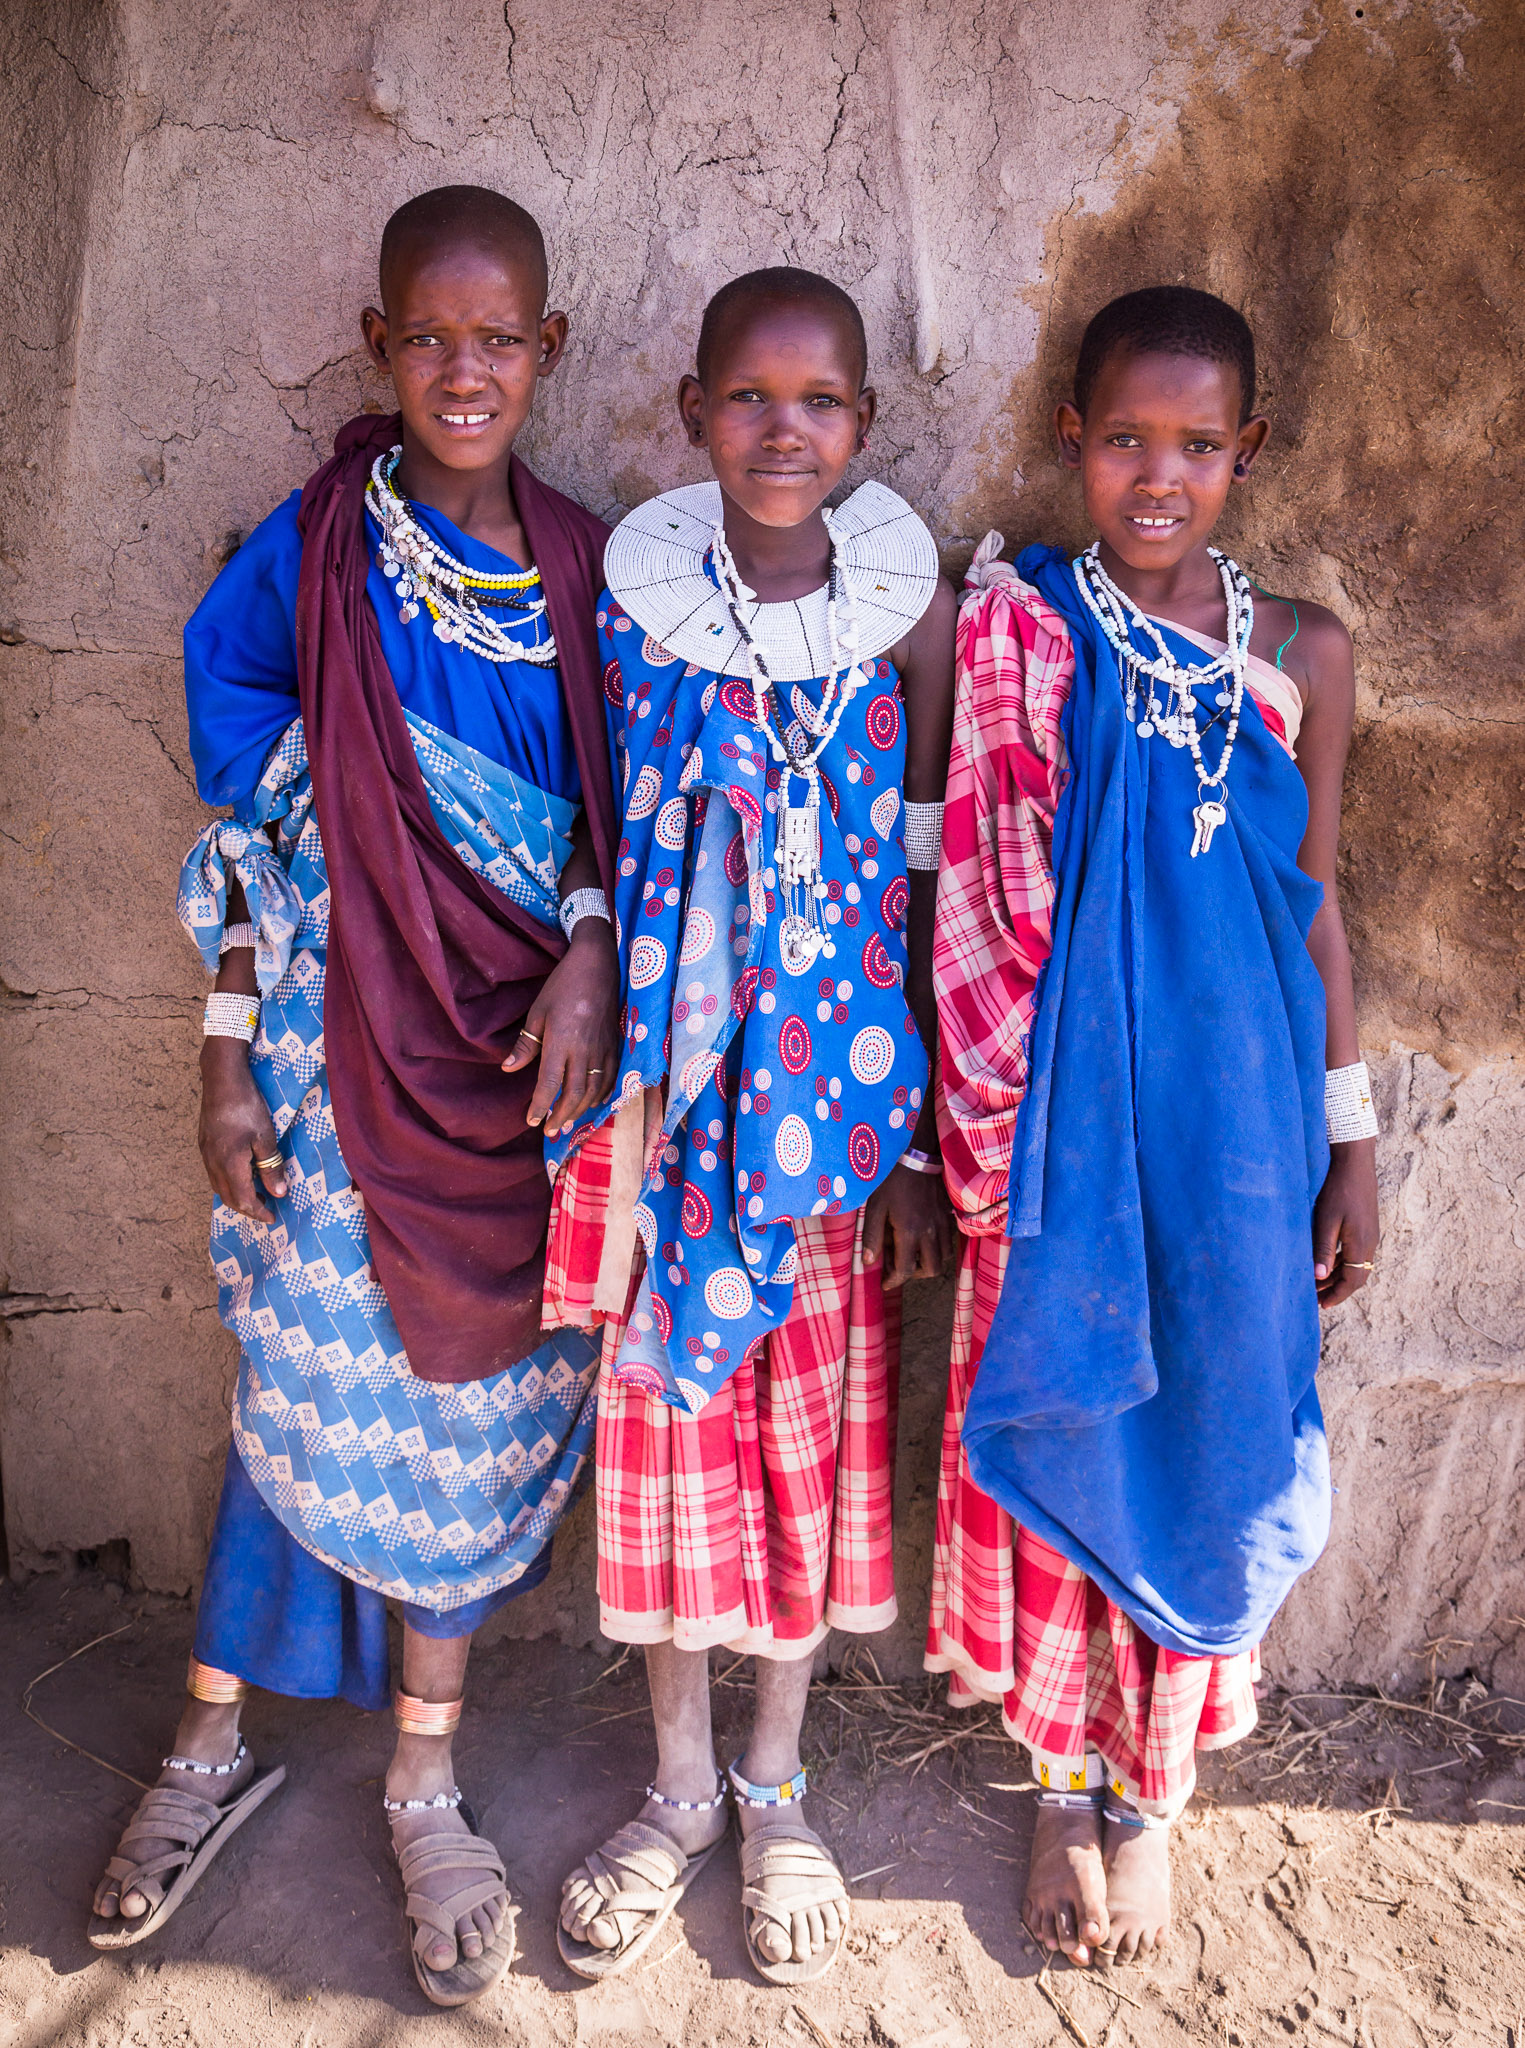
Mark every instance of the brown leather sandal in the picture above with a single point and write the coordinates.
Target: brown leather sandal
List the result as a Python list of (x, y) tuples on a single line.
[(641, 1874), (199, 1826), (483, 1878)]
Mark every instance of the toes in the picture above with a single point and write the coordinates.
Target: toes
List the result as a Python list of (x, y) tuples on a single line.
[(772, 1942), (441, 1954), (106, 1902), (134, 1905), (468, 1938), (815, 1933), (831, 1920), (601, 1932)]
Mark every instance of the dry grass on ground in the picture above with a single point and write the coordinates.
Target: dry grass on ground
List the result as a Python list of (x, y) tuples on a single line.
[(1353, 1873)]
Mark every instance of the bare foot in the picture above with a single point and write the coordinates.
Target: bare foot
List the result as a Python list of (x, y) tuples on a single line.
[(1138, 1889), (1067, 1901), (206, 1735), (584, 1910), (818, 1923)]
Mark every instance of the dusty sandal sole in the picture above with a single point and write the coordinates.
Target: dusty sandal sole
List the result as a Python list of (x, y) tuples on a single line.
[(119, 1932), (589, 1961)]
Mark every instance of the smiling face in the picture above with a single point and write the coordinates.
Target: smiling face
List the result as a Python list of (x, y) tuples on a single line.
[(782, 411), (465, 338), (1158, 450)]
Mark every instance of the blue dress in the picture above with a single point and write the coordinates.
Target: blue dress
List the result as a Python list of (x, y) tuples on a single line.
[(792, 1084), (350, 1480)]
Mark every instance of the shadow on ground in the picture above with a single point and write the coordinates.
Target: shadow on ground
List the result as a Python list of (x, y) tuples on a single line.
[(1354, 1873)]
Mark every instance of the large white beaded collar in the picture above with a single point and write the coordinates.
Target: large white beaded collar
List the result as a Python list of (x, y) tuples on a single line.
[(654, 566)]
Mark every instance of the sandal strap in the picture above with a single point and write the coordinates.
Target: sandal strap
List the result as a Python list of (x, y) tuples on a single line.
[(483, 1878), (163, 1814), (768, 1853), (634, 1871)]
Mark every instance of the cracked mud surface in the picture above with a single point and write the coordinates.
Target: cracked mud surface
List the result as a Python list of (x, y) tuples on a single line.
[(1341, 1878)]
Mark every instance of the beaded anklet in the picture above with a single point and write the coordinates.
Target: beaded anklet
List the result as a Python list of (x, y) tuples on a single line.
[(187, 1763), (691, 1805), (748, 1794), (445, 1801)]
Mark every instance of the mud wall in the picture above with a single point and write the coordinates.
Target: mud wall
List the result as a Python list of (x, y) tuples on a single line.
[(192, 197)]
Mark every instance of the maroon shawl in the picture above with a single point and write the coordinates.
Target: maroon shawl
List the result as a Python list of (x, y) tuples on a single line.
[(430, 968)]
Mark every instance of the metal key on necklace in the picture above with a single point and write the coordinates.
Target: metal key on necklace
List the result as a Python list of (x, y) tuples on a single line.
[(1208, 815), (798, 846)]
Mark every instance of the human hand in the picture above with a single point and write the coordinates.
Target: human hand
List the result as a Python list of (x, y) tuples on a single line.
[(1345, 1222), (914, 1210), (236, 1130), (573, 1026)]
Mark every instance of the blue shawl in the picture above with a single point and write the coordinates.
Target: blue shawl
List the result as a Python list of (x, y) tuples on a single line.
[(1146, 1398)]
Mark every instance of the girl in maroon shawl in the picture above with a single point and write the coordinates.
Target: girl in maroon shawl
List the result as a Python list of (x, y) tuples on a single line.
[(397, 680)]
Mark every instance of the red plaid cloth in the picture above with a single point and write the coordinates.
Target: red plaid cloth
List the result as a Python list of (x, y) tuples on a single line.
[(765, 1519), (995, 894), (575, 1241), (1011, 1619), (1079, 1683)]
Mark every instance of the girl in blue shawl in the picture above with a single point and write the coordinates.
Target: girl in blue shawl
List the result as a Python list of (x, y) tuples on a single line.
[(419, 779), (1142, 978)]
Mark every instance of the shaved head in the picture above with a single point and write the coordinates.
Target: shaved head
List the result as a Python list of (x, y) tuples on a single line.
[(455, 215), (763, 292)]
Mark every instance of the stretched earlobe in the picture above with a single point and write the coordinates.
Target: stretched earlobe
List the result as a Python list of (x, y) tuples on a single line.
[(1241, 469)]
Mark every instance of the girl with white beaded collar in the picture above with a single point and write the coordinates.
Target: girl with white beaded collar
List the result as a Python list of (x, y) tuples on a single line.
[(781, 680)]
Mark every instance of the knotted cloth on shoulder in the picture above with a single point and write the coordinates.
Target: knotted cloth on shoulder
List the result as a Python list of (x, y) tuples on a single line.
[(431, 970)]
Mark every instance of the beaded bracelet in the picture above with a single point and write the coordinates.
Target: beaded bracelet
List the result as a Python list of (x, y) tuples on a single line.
[(1348, 1111), (231, 1016), (237, 935), (583, 903), (923, 837)]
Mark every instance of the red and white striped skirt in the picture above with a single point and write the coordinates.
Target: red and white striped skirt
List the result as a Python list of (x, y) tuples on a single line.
[(1079, 1683), (766, 1519)]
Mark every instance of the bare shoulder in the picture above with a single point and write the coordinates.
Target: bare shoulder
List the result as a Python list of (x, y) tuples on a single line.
[(940, 619), (928, 647), (1308, 642)]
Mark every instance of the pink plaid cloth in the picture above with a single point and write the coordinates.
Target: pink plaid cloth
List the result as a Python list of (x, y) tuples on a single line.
[(575, 1239), (1080, 1684), (995, 895), (765, 1519)]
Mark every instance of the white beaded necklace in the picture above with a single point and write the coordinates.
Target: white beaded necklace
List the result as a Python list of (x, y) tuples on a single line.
[(1176, 719), (423, 571), (797, 847)]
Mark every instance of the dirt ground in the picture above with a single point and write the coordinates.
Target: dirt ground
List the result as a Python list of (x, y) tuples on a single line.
[(1355, 1873)]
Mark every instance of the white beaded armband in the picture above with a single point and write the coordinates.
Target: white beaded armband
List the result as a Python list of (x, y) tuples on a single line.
[(1348, 1110), (923, 837), (229, 1016), (583, 903), (237, 935)]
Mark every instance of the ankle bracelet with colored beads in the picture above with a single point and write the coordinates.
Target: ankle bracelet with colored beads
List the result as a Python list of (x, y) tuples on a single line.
[(748, 1794)]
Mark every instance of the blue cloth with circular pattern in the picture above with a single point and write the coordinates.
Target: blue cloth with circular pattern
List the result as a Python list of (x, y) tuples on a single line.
[(788, 1094)]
